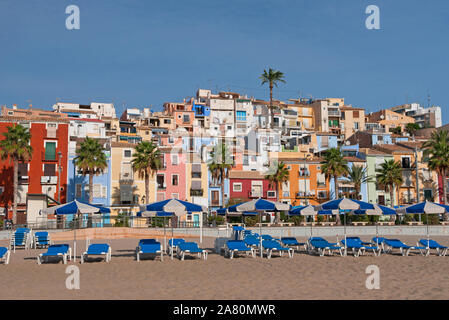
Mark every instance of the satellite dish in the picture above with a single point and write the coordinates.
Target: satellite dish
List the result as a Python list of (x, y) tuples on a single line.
[(347, 142), (382, 117)]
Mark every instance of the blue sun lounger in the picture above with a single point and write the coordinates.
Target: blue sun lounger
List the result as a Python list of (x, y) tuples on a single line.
[(56, 251), (190, 247), (149, 246), (4, 254), (97, 249), (232, 247), (359, 247), (293, 242), (174, 246), (403, 248), (41, 239), (432, 244), (20, 238), (272, 245), (320, 245)]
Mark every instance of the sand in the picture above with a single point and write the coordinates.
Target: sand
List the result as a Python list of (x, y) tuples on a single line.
[(303, 277)]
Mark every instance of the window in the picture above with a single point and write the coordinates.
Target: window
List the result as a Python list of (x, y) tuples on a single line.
[(49, 169), (78, 191), (380, 138), (355, 114), (127, 154), (51, 130), (356, 125), (2, 189), (406, 162), (50, 150), (171, 140), (186, 118), (271, 194), (241, 116), (174, 179), (160, 181), (97, 190), (237, 187), (174, 159), (167, 121), (23, 172)]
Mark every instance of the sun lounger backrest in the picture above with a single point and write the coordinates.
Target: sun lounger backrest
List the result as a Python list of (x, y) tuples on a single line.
[(150, 247), (3, 250), (431, 243), (176, 242), (395, 243), (271, 244), (58, 248)]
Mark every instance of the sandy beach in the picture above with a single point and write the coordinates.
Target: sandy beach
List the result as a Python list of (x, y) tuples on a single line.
[(303, 277)]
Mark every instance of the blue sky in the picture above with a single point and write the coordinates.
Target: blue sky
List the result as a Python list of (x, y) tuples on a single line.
[(144, 53)]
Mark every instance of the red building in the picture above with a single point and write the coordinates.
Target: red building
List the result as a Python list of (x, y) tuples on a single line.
[(49, 140), (250, 185)]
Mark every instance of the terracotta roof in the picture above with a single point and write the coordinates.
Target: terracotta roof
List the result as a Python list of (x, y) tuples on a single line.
[(315, 160), (115, 144), (233, 174), (394, 148), (411, 144), (370, 151), (354, 159)]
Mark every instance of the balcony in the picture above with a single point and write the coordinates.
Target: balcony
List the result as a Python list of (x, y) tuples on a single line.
[(49, 180), (196, 193), (334, 113), (126, 176), (196, 175), (320, 184), (304, 173), (161, 186), (305, 195), (253, 194), (215, 203)]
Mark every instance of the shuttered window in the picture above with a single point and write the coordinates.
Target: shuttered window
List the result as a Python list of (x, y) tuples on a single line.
[(50, 150)]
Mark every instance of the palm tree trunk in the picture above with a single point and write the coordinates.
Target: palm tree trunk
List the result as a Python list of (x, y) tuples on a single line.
[(443, 174), (337, 220), (15, 195), (91, 198), (271, 106), (147, 188), (278, 214), (393, 216)]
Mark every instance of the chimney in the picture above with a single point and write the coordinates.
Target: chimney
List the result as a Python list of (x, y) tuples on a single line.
[(14, 106)]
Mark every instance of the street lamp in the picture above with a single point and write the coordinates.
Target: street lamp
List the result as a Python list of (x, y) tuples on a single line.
[(59, 176)]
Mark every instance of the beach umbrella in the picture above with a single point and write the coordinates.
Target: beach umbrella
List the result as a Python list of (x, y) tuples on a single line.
[(304, 211), (174, 207), (377, 211), (425, 207), (259, 206), (345, 205), (75, 207)]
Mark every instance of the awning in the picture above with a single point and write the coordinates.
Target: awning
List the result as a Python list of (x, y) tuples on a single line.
[(196, 168), (196, 185)]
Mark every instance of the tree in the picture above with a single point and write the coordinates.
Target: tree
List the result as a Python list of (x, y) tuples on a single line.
[(90, 160), (389, 175), (16, 147), (396, 130), (358, 176), (219, 165), (279, 176), (333, 166), (146, 161), (411, 128), (436, 154), (272, 77)]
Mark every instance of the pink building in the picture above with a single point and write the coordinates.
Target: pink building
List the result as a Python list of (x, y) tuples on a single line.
[(171, 179)]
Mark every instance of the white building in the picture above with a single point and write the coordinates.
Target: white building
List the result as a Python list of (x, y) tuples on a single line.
[(425, 117)]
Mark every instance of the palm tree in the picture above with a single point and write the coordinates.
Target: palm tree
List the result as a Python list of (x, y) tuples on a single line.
[(411, 128), (90, 160), (219, 166), (436, 153), (146, 161), (16, 146), (272, 77), (333, 166), (358, 176), (278, 177), (389, 175)]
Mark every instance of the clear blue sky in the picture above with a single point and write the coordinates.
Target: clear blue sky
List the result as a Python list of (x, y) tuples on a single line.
[(141, 53)]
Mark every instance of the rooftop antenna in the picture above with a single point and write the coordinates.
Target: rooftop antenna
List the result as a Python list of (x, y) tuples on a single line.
[(29, 103), (428, 99)]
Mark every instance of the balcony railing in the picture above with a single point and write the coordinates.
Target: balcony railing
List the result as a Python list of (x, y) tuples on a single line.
[(300, 195), (196, 193), (303, 173), (253, 194), (126, 176)]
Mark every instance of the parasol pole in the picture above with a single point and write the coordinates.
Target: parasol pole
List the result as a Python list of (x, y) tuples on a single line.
[(260, 232), (171, 247)]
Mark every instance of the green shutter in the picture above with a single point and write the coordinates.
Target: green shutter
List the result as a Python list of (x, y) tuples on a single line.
[(50, 150)]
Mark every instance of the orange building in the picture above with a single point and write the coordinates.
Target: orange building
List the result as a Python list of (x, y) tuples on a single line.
[(306, 185)]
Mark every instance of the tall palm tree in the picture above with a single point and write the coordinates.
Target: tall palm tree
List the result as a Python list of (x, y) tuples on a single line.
[(272, 77), (411, 128), (389, 175), (90, 160), (16, 146), (146, 161), (219, 166), (279, 176), (334, 165), (358, 176), (436, 153)]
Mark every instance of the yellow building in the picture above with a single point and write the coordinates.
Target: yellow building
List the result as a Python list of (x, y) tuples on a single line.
[(351, 120), (127, 187), (388, 119)]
